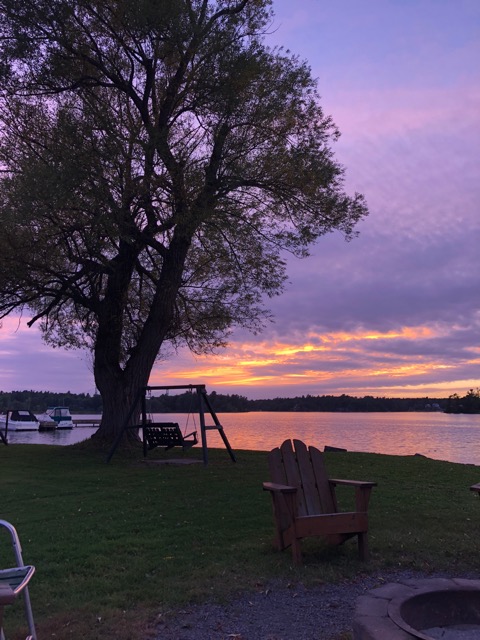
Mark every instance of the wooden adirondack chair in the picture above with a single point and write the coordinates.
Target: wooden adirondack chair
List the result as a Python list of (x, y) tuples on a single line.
[(304, 501)]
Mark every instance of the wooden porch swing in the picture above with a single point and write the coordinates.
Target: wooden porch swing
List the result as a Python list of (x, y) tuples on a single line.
[(169, 434)]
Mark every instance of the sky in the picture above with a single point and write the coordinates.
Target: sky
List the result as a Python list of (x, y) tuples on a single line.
[(396, 311)]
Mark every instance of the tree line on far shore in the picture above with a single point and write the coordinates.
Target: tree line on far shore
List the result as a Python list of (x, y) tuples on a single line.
[(38, 401)]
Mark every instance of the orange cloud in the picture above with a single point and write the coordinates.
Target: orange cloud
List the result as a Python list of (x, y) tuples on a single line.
[(319, 359)]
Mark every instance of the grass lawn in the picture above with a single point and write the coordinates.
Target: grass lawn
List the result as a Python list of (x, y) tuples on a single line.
[(117, 545)]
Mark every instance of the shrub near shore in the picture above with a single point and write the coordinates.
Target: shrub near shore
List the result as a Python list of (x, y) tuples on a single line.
[(117, 545)]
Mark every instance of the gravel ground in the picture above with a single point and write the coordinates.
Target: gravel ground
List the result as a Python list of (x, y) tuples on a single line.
[(278, 612)]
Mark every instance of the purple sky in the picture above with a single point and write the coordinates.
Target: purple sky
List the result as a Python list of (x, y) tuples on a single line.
[(396, 311)]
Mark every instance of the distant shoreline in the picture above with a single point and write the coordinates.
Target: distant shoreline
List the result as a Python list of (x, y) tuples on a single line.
[(79, 404)]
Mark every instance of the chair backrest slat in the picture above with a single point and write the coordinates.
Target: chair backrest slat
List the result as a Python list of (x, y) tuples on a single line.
[(313, 503), (275, 466), (293, 475), (327, 499)]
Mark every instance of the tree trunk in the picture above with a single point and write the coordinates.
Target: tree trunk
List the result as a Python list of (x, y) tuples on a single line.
[(120, 392), (120, 387), (118, 400)]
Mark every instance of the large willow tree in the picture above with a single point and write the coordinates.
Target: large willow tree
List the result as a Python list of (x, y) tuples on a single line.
[(158, 160)]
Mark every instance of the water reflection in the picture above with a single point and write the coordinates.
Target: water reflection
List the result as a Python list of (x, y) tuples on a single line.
[(436, 435), (57, 436)]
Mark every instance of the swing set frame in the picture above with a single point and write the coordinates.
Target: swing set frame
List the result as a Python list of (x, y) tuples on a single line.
[(203, 407)]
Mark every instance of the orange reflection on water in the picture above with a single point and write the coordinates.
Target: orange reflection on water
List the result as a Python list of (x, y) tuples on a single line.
[(435, 435)]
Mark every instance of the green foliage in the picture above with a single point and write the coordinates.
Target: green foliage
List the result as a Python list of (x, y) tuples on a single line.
[(39, 401), (127, 541), (469, 403), (158, 160)]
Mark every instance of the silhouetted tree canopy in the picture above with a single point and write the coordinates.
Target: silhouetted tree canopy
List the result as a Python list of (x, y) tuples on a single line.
[(158, 161)]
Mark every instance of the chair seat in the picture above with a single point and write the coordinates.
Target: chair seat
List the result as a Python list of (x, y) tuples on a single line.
[(17, 578)]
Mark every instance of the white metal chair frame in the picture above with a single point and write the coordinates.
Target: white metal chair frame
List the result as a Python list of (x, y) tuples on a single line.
[(16, 580)]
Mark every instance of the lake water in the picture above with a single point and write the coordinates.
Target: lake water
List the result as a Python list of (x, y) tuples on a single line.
[(437, 435)]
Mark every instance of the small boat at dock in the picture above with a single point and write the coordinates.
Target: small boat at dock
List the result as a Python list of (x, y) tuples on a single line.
[(19, 420), (47, 423), (61, 416), (55, 418)]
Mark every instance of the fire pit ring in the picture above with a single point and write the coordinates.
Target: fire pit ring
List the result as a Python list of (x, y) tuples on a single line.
[(424, 609)]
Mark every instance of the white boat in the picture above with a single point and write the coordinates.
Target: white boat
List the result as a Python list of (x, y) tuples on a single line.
[(47, 423), (19, 420), (61, 416)]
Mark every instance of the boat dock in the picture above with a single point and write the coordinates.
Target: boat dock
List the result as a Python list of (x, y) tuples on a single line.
[(87, 422)]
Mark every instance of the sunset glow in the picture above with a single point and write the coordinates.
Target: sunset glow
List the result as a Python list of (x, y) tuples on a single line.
[(396, 311), (317, 366)]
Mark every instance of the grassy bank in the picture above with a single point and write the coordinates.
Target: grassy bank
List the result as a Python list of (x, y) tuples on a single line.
[(117, 545)]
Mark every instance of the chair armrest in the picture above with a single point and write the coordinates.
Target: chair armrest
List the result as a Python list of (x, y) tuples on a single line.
[(278, 488), (360, 484), (362, 492)]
